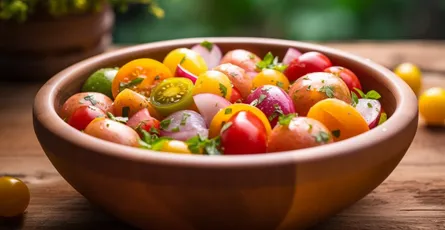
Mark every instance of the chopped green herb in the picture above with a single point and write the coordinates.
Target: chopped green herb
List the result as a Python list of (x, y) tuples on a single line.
[(336, 133), (226, 126), (328, 90), (322, 137), (306, 78), (354, 99), (223, 89), (285, 120), (108, 125), (182, 60), (309, 87), (166, 123), (153, 130), (369, 95), (91, 99), (383, 118), (125, 111), (322, 81), (261, 98), (130, 84), (310, 127), (200, 144), (228, 111), (184, 118), (175, 129), (280, 84), (157, 77), (271, 62), (233, 74), (208, 45), (369, 105), (118, 119), (277, 112), (251, 56), (373, 95)]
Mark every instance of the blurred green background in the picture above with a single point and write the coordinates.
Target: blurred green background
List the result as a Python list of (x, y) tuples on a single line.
[(317, 20)]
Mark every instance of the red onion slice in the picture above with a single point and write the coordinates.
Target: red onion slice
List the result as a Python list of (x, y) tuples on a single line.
[(182, 72), (183, 125), (370, 109), (210, 52), (209, 104), (291, 54)]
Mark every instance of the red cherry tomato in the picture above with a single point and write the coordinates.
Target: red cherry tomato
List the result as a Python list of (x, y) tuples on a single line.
[(84, 115), (244, 133), (307, 63), (347, 76), (143, 120), (236, 96)]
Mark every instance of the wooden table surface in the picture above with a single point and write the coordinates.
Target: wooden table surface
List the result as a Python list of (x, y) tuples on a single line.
[(413, 197)]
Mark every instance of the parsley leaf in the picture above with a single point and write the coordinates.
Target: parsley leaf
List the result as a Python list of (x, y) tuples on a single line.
[(157, 77), (91, 99), (125, 111), (130, 84), (223, 89), (277, 112), (261, 98), (208, 45), (184, 118), (309, 87), (328, 90), (151, 141), (310, 127), (153, 130), (362, 95), (226, 126), (280, 84), (336, 133), (165, 123), (251, 56), (373, 95), (228, 111), (285, 120), (199, 144), (182, 60), (176, 129), (322, 137), (369, 105), (354, 99), (383, 118), (271, 62)]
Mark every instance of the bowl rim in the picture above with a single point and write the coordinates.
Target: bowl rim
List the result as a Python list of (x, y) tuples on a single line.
[(405, 112)]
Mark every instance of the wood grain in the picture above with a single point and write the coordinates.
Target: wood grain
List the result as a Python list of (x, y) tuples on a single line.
[(413, 197)]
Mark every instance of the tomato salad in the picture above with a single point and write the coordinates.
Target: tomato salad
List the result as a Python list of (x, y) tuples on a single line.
[(199, 101)]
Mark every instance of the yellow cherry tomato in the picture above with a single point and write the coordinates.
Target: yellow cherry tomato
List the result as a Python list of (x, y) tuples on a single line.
[(128, 102), (225, 114), (343, 120), (139, 75), (189, 59), (271, 77), (213, 82), (14, 197), (175, 146), (432, 106), (411, 74)]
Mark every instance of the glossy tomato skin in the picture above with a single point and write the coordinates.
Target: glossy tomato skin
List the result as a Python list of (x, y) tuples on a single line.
[(84, 115), (113, 131), (347, 76), (309, 62), (238, 76), (98, 100), (242, 58), (300, 133), (14, 197), (245, 135), (236, 96), (143, 120)]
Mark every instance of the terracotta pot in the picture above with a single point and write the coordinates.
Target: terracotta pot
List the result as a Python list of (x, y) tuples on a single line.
[(41, 47), (285, 190)]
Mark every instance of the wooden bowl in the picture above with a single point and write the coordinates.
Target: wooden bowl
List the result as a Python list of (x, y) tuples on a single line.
[(287, 190)]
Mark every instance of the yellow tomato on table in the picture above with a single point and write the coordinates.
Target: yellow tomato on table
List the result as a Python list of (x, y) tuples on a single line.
[(432, 106), (14, 197), (411, 74), (189, 60), (342, 120)]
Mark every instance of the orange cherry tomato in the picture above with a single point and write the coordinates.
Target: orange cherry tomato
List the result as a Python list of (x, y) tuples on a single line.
[(271, 77), (342, 120), (128, 103), (140, 75)]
